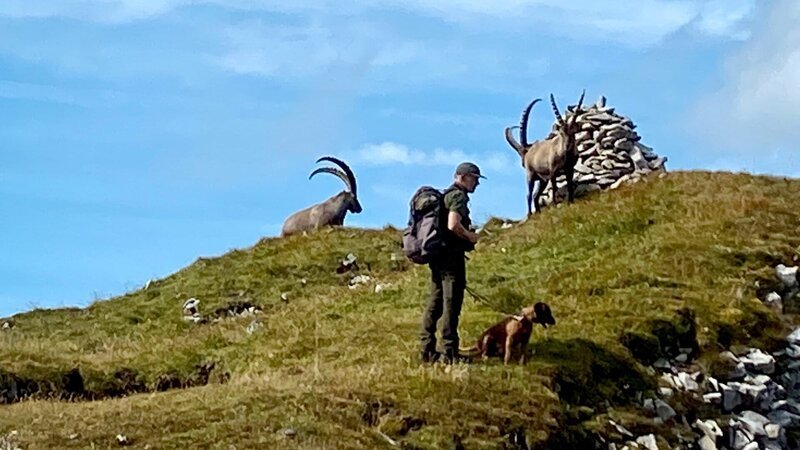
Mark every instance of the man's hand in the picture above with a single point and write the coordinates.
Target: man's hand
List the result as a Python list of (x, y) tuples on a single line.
[(454, 225)]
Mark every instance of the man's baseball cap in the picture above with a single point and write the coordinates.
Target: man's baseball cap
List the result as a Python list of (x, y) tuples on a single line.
[(468, 168)]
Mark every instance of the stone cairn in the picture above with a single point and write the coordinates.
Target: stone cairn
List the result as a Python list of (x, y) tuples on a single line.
[(610, 152)]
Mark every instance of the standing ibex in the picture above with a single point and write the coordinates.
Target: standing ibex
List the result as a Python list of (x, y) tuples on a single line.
[(332, 210), (544, 160)]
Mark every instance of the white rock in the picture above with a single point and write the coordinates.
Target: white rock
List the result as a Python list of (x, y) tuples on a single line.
[(713, 398), (773, 430), (758, 361), (787, 275), (706, 443), (648, 442), (506, 225), (793, 351), (753, 422), (741, 439), (794, 337), (688, 382), (751, 446), (665, 392), (758, 379), (254, 326), (682, 358), (620, 429), (709, 428)]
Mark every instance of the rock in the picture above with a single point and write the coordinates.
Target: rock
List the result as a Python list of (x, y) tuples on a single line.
[(285, 297), (191, 306), (709, 428), (381, 287), (7, 324), (662, 364), (664, 411), (740, 439), (682, 358), (787, 275), (123, 440), (254, 326), (753, 422), (773, 430), (688, 381), (784, 418), (793, 351), (713, 398), (289, 433), (359, 280), (731, 398), (649, 405), (751, 446), (794, 337), (506, 225), (648, 442), (620, 429), (758, 361), (775, 302), (706, 443), (665, 392), (759, 380)]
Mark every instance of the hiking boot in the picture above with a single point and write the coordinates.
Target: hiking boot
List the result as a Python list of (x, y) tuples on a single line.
[(430, 356), (456, 358)]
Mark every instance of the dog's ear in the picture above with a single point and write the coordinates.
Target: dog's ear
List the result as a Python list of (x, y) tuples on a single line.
[(543, 314), (529, 313)]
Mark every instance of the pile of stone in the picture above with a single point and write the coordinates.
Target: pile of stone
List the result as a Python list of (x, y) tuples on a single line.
[(610, 152), (759, 392), (235, 309)]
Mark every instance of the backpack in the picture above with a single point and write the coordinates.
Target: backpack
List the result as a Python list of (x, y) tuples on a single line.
[(424, 238)]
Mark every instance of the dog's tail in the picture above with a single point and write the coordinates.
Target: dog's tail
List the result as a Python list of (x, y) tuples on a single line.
[(470, 351)]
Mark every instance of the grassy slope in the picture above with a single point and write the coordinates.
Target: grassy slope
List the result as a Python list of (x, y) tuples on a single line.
[(337, 364)]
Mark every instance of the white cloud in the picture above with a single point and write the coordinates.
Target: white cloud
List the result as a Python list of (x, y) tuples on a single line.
[(392, 153), (724, 18), (634, 23), (755, 111)]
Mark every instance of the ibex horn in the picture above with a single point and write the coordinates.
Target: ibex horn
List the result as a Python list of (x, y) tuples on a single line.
[(351, 178), (555, 110), (523, 123)]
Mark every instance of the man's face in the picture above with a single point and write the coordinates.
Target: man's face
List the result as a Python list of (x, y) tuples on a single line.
[(470, 182)]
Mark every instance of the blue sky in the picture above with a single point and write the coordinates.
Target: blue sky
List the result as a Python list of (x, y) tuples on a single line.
[(137, 135)]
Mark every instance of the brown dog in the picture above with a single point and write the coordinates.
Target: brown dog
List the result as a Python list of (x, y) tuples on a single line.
[(513, 333)]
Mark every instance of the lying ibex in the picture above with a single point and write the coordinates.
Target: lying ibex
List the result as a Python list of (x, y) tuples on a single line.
[(544, 160), (332, 210)]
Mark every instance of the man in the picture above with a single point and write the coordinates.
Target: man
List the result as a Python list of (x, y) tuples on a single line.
[(448, 271)]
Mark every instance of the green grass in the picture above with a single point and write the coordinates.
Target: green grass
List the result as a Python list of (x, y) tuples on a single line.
[(338, 365)]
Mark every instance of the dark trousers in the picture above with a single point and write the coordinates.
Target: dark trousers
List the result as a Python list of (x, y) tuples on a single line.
[(448, 280)]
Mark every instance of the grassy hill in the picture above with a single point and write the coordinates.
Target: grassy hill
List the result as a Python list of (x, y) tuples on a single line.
[(630, 275)]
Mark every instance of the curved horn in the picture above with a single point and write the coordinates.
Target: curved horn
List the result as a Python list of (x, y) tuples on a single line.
[(331, 171), (555, 110), (513, 142), (523, 123), (351, 178), (578, 107)]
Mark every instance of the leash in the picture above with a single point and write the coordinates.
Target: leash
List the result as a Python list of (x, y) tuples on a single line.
[(478, 297)]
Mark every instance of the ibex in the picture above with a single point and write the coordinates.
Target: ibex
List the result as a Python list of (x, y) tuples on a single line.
[(333, 210), (544, 160)]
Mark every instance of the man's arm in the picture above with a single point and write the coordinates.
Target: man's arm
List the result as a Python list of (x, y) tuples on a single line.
[(454, 225)]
